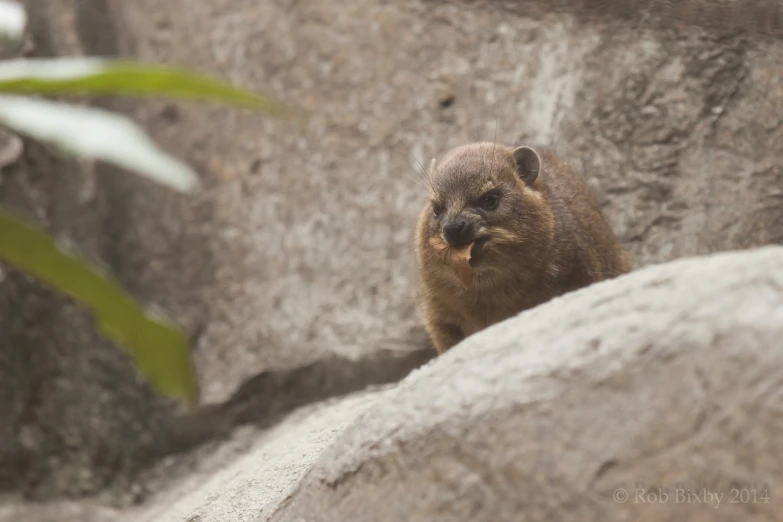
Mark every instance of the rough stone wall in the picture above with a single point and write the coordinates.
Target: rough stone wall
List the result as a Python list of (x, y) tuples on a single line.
[(300, 248), (311, 221)]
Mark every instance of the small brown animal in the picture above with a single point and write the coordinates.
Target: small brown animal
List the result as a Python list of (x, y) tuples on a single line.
[(506, 230)]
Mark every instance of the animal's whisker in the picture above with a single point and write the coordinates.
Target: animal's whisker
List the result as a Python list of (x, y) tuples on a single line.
[(424, 173), (494, 145)]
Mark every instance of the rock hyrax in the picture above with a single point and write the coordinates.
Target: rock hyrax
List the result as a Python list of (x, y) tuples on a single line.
[(506, 229)]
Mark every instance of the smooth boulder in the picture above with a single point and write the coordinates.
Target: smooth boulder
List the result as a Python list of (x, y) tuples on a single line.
[(655, 396)]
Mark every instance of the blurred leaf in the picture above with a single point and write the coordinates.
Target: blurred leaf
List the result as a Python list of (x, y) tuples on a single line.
[(98, 134), (157, 346), (100, 76), (13, 20)]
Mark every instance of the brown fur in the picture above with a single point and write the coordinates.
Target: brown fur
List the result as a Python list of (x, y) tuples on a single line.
[(544, 239)]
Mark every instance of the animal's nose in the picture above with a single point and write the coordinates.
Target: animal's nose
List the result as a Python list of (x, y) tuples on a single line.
[(457, 231)]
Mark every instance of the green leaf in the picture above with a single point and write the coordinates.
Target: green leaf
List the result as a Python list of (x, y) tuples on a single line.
[(97, 134), (75, 75), (158, 347), (13, 20)]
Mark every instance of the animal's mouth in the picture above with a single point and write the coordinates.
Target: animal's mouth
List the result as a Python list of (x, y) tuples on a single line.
[(478, 250), (461, 260)]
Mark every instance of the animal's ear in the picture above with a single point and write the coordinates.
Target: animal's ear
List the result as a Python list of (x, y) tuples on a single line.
[(528, 164)]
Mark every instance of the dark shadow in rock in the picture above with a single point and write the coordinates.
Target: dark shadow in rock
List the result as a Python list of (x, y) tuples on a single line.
[(266, 398)]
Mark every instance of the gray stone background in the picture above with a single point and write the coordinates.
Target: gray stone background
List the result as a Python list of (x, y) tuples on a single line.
[(298, 254)]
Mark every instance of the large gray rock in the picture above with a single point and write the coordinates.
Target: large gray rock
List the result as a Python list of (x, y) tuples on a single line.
[(588, 408)]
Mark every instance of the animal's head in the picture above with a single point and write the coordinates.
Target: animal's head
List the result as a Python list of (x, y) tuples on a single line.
[(486, 202)]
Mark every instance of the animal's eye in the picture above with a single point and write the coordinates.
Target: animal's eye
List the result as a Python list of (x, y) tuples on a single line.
[(489, 201), (437, 210)]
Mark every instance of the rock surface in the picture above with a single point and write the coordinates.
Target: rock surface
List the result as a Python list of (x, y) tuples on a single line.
[(236, 480), (607, 404), (245, 486), (583, 409)]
